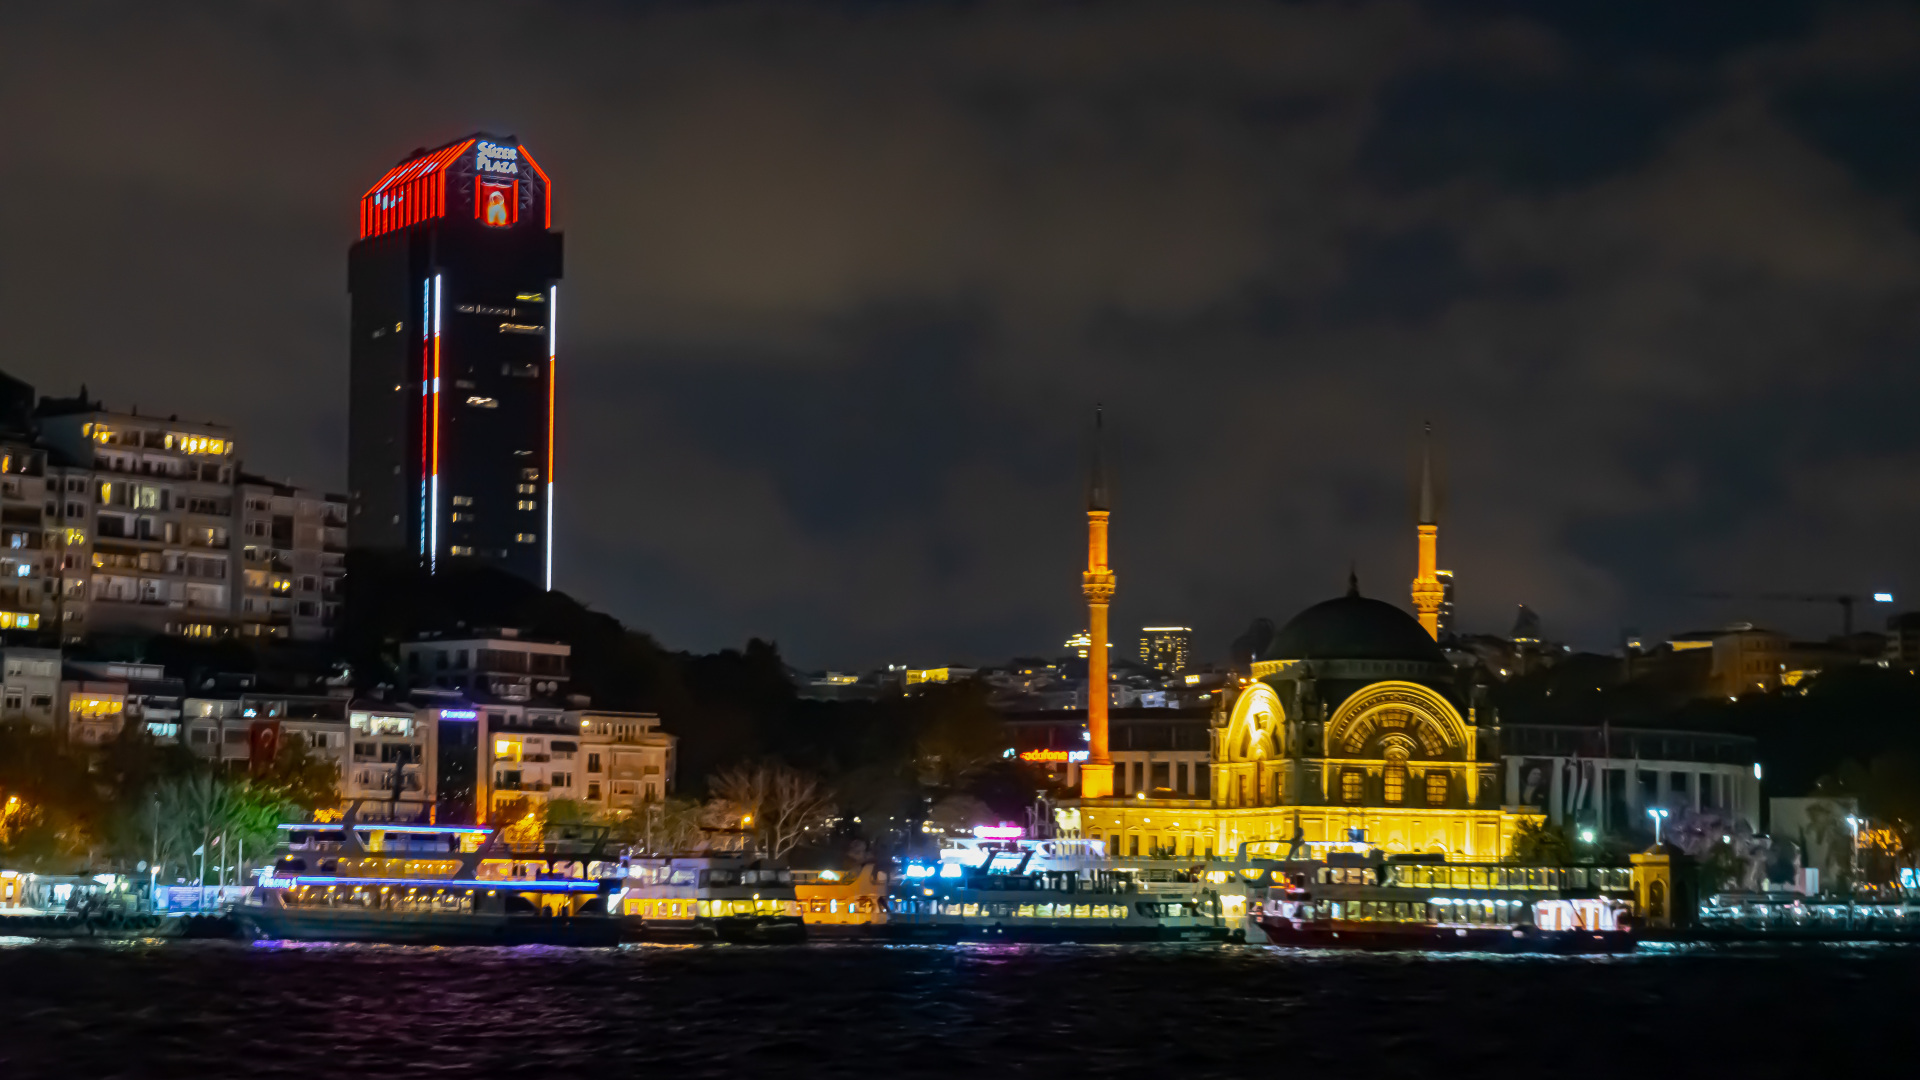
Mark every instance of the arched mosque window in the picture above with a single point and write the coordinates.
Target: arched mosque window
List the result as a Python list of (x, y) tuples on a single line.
[(1396, 776)]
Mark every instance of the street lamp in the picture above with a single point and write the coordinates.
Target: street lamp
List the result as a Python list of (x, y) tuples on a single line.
[(1659, 817)]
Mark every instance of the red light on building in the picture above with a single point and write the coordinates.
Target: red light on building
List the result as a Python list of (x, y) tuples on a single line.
[(497, 203)]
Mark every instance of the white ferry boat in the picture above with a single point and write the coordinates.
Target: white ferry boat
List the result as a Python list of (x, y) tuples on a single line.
[(1370, 901), (430, 884), (723, 897), (1059, 890)]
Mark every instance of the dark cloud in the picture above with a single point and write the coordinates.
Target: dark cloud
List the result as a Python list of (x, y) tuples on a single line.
[(845, 281)]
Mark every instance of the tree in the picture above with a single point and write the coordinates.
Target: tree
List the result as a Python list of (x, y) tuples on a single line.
[(213, 814), (50, 809), (1541, 843), (300, 777), (776, 804)]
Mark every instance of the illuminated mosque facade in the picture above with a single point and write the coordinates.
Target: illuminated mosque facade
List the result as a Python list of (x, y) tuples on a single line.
[(1350, 730)]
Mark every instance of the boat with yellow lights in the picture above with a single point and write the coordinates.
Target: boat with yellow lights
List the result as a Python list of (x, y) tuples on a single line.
[(353, 881), (842, 903), (725, 896)]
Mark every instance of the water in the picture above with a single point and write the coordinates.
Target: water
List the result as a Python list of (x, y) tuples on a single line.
[(215, 1009)]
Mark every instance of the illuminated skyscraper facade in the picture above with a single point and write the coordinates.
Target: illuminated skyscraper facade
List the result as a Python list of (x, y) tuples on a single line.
[(455, 290)]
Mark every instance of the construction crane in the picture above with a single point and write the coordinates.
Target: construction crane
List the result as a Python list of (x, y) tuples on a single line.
[(1845, 600)]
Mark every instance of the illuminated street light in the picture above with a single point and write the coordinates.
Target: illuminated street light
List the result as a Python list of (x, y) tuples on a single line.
[(1659, 816), (1586, 836), (1883, 598)]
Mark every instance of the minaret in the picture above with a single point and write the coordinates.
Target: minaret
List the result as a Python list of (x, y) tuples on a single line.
[(1096, 773), (1427, 591)]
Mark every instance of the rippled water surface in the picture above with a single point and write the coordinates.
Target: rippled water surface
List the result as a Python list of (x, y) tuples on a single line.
[(225, 1009)]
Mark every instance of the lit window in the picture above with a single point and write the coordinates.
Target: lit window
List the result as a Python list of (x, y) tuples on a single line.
[(526, 538), (527, 489), (1352, 785), (459, 549), (527, 504), (479, 402), (1436, 789), (1396, 779), (463, 500), (463, 517)]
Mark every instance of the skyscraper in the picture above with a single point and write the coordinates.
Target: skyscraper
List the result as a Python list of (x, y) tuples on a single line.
[(455, 285)]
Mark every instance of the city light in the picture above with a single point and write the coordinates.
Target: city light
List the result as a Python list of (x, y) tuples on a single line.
[(1883, 598)]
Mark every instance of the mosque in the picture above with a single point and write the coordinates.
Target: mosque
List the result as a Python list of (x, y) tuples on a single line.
[(1351, 729)]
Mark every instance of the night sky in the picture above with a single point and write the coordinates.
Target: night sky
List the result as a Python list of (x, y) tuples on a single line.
[(844, 283)]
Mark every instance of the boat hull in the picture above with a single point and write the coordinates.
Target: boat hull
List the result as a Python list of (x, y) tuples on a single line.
[(744, 931), (1061, 934), (375, 927), (1425, 938)]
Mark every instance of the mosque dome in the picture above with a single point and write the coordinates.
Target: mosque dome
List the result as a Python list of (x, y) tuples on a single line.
[(1354, 627)]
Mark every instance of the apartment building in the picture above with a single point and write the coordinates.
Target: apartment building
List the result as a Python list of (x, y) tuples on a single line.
[(627, 759), (142, 514), (293, 545), (102, 697), (30, 685), (117, 523), (503, 707), (26, 584)]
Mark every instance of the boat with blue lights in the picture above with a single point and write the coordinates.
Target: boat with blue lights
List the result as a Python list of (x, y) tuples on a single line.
[(1050, 890), (353, 881)]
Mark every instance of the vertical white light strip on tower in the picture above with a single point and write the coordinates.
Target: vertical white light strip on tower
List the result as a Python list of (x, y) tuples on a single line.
[(553, 337), (426, 360), (433, 505)]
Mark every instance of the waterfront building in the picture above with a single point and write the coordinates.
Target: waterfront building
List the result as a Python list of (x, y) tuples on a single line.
[(455, 284), (1166, 648), (509, 733), (1158, 752), (1609, 777), (103, 697), (1350, 727)]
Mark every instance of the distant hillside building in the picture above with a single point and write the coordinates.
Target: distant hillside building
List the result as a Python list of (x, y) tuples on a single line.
[(1166, 648)]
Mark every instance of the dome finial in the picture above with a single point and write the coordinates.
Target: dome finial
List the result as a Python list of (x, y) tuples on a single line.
[(1353, 579)]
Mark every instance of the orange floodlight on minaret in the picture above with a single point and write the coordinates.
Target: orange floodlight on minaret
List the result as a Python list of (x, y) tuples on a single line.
[(1096, 773), (1428, 593)]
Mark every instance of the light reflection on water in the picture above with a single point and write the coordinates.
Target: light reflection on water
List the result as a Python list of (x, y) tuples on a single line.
[(286, 1009)]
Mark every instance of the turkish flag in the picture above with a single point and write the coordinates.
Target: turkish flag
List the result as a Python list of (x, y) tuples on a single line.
[(263, 745)]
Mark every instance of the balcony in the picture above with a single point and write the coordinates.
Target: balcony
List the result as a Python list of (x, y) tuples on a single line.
[(519, 785)]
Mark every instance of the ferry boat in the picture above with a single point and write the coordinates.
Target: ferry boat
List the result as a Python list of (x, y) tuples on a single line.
[(357, 881), (1370, 901), (718, 897), (1058, 890), (842, 903)]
